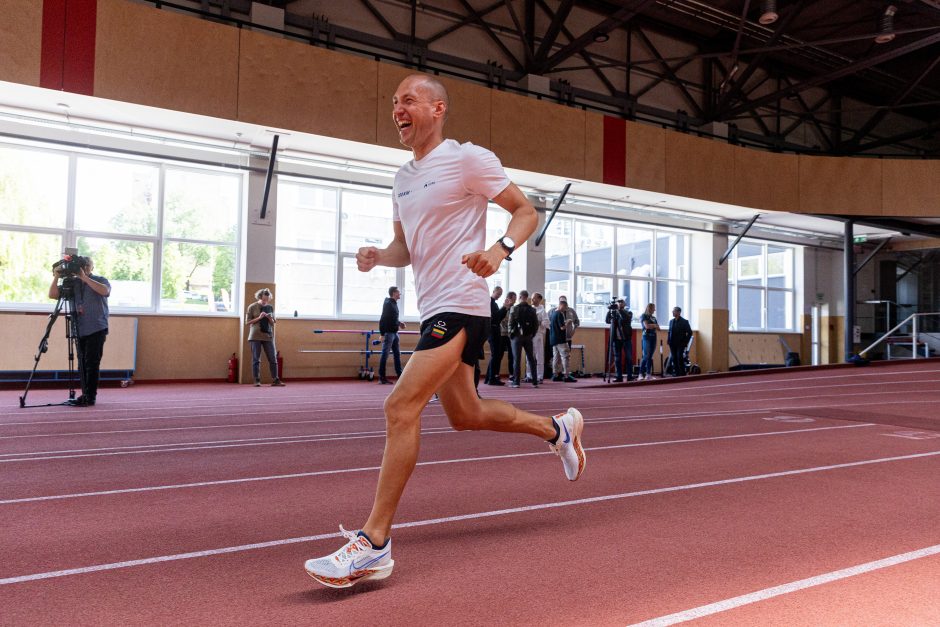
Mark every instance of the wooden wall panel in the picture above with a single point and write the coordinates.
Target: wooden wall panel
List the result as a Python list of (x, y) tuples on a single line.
[(712, 340), (840, 185), (295, 86), (20, 41), (529, 134), (184, 347), (699, 168), (468, 119), (762, 348), (911, 188), (766, 180), (164, 59), (646, 157), (594, 147)]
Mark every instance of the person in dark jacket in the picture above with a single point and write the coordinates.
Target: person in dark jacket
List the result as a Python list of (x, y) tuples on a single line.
[(680, 332), (496, 347), (389, 325), (523, 325), (621, 338)]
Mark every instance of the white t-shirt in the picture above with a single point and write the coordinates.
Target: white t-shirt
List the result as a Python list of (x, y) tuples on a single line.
[(441, 201)]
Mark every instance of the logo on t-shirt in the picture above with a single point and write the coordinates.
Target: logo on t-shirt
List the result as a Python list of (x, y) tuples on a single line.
[(429, 184), (404, 193), (439, 330)]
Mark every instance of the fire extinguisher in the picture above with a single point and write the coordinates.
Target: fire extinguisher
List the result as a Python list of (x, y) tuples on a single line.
[(280, 365), (232, 368)]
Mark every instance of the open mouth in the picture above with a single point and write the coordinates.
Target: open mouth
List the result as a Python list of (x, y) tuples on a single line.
[(403, 124)]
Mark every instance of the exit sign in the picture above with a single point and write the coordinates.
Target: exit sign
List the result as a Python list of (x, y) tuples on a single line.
[(861, 239)]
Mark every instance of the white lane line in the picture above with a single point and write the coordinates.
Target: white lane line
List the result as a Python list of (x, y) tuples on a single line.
[(793, 586), (212, 402), (201, 484), (272, 440), (817, 388), (527, 403), (215, 446), (646, 417), (447, 519)]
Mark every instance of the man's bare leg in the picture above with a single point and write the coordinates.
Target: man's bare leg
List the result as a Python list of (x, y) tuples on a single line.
[(421, 377), (467, 411)]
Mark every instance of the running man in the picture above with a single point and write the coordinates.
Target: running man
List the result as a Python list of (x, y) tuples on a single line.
[(439, 204)]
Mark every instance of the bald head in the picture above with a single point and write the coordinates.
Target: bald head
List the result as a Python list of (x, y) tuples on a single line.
[(430, 88)]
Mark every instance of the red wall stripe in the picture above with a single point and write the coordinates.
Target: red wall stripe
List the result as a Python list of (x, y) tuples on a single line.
[(615, 151), (79, 66), (52, 52)]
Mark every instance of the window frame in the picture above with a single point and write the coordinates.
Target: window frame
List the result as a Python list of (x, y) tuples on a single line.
[(764, 288), (69, 234)]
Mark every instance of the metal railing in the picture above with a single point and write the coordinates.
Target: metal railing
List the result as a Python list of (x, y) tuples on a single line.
[(915, 330)]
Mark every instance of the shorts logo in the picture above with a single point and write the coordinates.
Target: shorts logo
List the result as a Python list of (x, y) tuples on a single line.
[(439, 330)]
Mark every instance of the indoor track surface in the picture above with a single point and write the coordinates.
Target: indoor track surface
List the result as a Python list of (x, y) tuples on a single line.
[(802, 497)]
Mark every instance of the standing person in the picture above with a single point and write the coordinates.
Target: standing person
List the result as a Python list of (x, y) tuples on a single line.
[(389, 326), (260, 320), (621, 323), (572, 322), (680, 332), (504, 339), (523, 325), (91, 307), (440, 230), (558, 338), (538, 342), (650, 327), (496, 346)]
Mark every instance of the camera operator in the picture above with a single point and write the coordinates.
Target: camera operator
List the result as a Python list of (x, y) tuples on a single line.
[(91, 311), (620, 320)]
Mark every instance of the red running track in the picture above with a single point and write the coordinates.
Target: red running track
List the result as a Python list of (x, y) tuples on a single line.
[(789, 498)]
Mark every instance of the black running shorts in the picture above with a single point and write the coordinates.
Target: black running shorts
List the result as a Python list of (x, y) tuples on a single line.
[(441, 328)]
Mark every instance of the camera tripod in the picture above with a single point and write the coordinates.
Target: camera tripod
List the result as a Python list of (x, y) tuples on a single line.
[(66, 305)]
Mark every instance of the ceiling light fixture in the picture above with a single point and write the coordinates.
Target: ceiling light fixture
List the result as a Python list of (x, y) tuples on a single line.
[(768, 12), (886, 25), (600, 37)]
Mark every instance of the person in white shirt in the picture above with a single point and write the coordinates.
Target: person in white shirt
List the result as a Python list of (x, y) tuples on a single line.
[(538, 342), (439, 202)]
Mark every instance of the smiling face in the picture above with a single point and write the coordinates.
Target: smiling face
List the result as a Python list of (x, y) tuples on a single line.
[(419, 107)]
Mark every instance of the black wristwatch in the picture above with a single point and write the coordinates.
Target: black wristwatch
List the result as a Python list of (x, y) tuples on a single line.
[(507, 242)]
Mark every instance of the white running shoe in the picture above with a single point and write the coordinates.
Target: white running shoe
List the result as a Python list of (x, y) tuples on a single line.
[(568, 447), (356, 561)]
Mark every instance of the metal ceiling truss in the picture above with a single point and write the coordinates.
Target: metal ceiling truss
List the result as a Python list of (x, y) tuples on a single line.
[(745, 53)]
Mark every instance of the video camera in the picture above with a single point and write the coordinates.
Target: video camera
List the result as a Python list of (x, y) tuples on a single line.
[(612, 305), (71, 263)]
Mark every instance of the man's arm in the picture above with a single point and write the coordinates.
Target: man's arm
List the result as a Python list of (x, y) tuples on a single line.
[(54, 288), (395, 255), (521, 226), (101, 289)]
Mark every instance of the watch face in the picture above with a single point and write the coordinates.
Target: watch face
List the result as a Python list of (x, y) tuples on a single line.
[(509, 242)]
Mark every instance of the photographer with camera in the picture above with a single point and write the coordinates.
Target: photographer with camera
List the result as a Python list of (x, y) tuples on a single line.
[(260, 320), (73, 278), (620, 320)]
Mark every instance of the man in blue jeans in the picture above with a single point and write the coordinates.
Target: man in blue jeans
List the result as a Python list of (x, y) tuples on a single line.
[(389, 327)]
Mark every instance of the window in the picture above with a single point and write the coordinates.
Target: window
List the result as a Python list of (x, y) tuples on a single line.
[(164, 235), (320, 228), (603, 260), (760, 287)]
